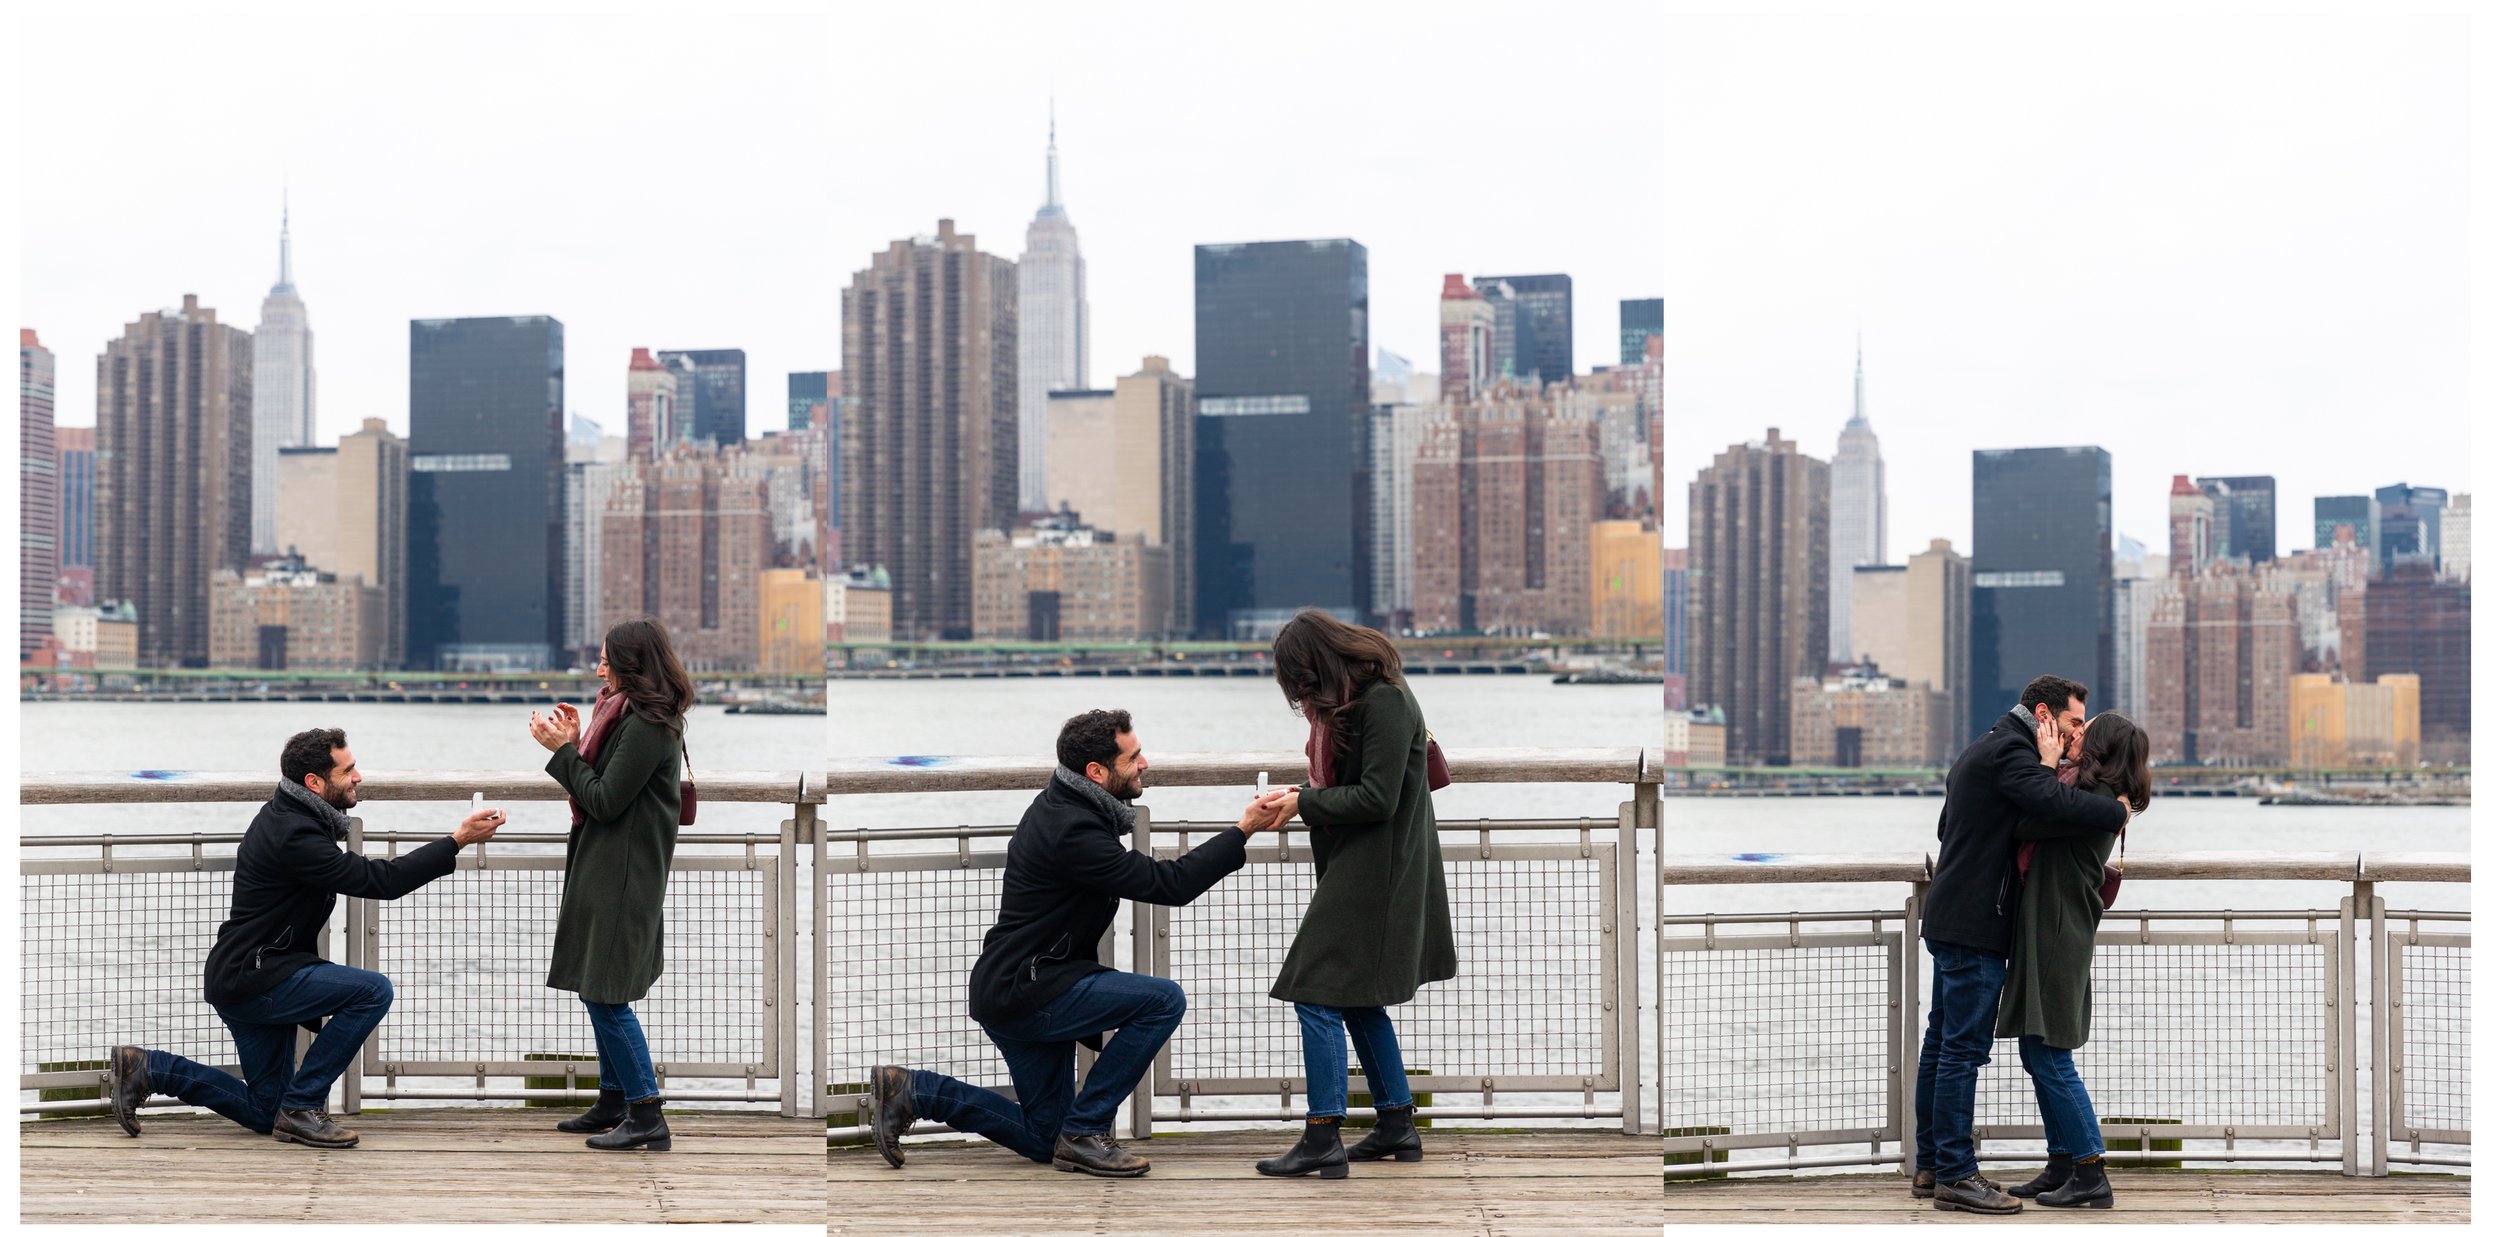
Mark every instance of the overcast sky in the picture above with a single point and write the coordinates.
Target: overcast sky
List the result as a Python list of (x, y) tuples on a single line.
[(677, 184), (2210, 245)]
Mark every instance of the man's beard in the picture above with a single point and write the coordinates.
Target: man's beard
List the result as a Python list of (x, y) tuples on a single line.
[(1133, 788), (337, 796)]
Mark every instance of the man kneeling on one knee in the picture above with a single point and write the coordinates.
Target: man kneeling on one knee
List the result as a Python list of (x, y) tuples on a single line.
[(1039, 989), (264, 976)]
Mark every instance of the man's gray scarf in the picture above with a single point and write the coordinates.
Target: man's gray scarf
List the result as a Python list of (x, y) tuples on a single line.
[(1121, 814), (318, 806)]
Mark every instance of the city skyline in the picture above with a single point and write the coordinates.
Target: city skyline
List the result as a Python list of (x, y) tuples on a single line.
[(2204, 274), (418, 206)]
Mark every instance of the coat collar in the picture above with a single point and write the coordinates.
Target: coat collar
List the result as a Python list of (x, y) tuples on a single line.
[(303, 800), (1121, 816)]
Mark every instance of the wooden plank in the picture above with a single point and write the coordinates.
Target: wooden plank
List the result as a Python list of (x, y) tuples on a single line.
[(908, 774)]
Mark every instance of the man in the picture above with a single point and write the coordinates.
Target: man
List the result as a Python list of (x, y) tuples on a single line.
[(263, 975), (2004, 776), (1038, 989)]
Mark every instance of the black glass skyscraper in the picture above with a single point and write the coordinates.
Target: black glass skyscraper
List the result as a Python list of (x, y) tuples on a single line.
[(2355, 510), (1639, 320), (2040, 569), (806, 391), (1284, 386), (711, 393), (486, 493), (1546, 338), (2408, 522), (2244, 508)]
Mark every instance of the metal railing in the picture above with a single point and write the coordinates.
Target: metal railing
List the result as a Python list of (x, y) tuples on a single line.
[(1546, 1003), (1791, 1041), (116, 926)]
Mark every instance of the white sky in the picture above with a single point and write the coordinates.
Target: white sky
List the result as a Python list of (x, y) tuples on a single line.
[(2212, 245), (713, 182)]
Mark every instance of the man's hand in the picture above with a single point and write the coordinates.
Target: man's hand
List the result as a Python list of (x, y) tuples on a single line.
[(2052, 740), (477, 827), (1262, 813)]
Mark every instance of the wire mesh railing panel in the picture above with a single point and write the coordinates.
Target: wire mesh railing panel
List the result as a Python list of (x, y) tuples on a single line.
[(468, 957), (1777, 1037), (899, 949), (2436, 1022), (1529, 999), (116, 958), (2198, 1034)]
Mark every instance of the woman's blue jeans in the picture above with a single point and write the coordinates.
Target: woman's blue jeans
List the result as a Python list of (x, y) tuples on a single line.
[(1324, 1031), (2065, 1107), (624, 1056)]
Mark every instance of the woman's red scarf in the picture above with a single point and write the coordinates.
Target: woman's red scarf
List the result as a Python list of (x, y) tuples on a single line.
[(605, 713), (1320, 750)]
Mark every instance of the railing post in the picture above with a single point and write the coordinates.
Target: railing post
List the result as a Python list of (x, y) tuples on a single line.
[(786, 1024), (1626, 929), (820, 907), (1913, 1036), (2382, 1025), (2347, 1064), (1141, 1102), (1658, 936), (352, 1094)]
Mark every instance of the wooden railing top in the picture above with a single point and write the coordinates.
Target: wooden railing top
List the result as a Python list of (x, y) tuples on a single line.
[(1807, 869), (385, 786), (887, 775)]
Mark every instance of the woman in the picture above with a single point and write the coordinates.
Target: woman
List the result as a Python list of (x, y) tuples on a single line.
[(1378, 925), (2048, 981), (622, 776)]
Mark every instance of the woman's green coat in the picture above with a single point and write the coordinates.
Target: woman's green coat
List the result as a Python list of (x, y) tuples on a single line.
[(2048, 980), (616, 862), (1378, 925)]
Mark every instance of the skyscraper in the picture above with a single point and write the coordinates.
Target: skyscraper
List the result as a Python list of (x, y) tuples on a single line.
[(1506, 489), (74, 446), (2193, 540), (485, 495), (711, 394), (1544, 341), (2456, 539), (1283, 337), (39, 495), (1758, 593), (282, 389), (1467, 335), (2221, 648), (1913, 621), (2420, 624), (173, 473), (1639, 320), (1857, 513), (1052, 334), (2244, 514), (929, 451), (809, 389), (652, 423), (2408, 526), (687, 539), (2040, 583), (2353, 511)]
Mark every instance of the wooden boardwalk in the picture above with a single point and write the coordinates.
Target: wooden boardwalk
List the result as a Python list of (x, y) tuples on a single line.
[(2144, 1196), (1491, 1184), (469, 1165)]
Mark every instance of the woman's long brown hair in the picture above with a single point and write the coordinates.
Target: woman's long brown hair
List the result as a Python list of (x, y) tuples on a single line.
[(1324, 664), (2117, 757), (643, 665)]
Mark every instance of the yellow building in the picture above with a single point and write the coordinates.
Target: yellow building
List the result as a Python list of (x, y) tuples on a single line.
[(790, 622), (2356, 725), (1627, 582)]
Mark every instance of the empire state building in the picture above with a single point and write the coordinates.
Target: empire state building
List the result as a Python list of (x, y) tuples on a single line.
[(282, 389), (1051, 328)]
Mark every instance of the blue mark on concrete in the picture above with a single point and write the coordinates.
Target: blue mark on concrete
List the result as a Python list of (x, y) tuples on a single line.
[(1756, 857), (158, 775), (921, 762)]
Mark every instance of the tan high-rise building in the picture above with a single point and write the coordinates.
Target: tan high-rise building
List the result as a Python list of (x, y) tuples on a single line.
[(2221, 649), (1868, 721), (286, 616), (1121, 459), (1069, 583), (1626, 583), (308, 505), (2337, 725), (686, 540), (1507, 487), (173, 474), (1913, 622), (344, 510), (790, 606), (929, 449), (1755, 590)]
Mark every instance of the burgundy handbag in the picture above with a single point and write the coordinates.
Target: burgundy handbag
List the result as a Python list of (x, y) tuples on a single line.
[(685, 788), (1436, 769), (2111, 876)]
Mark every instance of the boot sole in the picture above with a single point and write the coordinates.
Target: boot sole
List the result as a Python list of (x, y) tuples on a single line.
[(306, 1142), (1402, 1157), (2096, 1204), (1071, 1166), (1943, 1205), (1327, 1172), (656, 1144)]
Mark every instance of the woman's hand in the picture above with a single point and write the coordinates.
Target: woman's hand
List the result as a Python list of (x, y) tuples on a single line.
[(1288, 804), (554, 732), (1262, 815)]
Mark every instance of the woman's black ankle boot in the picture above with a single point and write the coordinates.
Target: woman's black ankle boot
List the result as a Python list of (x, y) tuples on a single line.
[(603, 1116), (2088, 1188), (2061, 1167), (1320, 1151), (1394, 1138), (644, 1129)]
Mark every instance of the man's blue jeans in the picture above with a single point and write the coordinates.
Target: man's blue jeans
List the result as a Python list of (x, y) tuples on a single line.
[(264, 1041), (1324, 1029), (2065, 1107), (624, 1055), (1961, 1025), (1040, 1049)]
